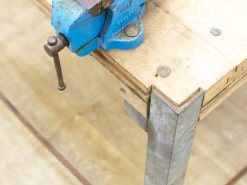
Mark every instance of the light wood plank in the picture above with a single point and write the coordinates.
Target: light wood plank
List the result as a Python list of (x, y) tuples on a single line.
[(242, 181), (24, 160), (58, 114), (219, 150), (195, 62), (200, 16), (28, 80), (199, 60)]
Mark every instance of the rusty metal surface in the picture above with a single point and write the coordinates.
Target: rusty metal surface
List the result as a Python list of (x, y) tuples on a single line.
[(95, 6), (54, 45), (89, 4)]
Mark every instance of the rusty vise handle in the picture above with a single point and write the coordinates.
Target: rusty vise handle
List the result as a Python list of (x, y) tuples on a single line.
[(54, 45)]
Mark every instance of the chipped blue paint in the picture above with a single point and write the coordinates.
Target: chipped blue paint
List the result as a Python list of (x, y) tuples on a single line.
[(86, 33)]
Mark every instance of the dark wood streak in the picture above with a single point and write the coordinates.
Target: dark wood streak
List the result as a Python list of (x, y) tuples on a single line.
[(238, 176), (44, 141)]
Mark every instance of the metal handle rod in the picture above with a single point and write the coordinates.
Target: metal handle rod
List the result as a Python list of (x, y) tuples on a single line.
[(52, 48), (61, 84)]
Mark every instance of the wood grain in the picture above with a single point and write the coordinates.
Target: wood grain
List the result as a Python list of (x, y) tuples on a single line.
[(200, 60), (86, 123), (24, 160)]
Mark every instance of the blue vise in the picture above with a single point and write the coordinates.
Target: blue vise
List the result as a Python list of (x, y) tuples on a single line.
[(85, 25), (90, 24)]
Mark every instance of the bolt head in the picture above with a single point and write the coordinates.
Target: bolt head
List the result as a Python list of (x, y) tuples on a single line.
[(132, 30), (52, 41), (215, 32), (163, 71)]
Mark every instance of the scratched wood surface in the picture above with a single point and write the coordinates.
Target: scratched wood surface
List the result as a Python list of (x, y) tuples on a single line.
[(177, 35), (86, 123)]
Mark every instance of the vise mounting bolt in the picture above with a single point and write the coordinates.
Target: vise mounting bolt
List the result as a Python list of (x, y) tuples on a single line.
[(85, 25)]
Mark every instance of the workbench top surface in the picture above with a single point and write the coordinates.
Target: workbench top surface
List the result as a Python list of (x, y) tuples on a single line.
[(178, 36)]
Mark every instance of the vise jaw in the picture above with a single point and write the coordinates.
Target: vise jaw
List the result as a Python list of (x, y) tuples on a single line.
[(90, 24), (95, 6)]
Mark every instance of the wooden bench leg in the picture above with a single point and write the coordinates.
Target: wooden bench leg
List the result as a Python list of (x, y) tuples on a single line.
[(170, 136)]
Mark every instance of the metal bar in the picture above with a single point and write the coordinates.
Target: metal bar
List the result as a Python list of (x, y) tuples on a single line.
[(61, 84), (170, 136)]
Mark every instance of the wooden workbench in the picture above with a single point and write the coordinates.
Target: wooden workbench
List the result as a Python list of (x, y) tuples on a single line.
[(205, 69), (200, 60)]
